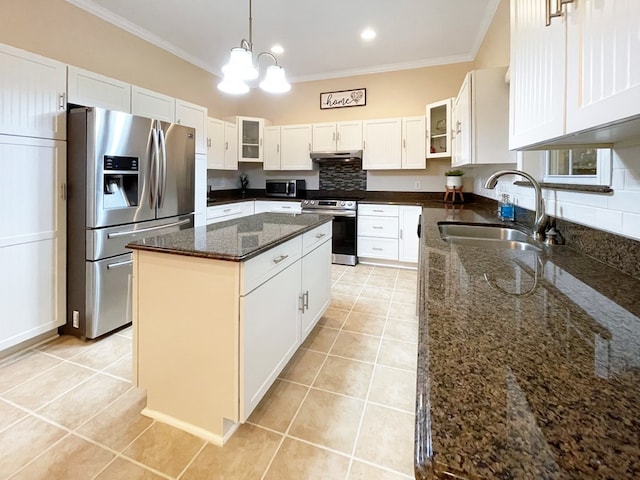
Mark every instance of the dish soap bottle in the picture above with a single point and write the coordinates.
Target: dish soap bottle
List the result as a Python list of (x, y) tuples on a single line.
[(507, 210)]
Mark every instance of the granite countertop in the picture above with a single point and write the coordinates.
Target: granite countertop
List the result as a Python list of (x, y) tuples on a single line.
[(528, 362), (222, 197), (236, 240)]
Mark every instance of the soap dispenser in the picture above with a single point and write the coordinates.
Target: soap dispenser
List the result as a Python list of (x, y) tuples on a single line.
[(507, 210)]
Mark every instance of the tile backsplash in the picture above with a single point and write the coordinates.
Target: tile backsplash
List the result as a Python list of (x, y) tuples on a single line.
[(341, 175)]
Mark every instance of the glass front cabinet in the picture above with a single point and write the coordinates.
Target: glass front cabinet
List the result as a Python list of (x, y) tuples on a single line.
[(439, 129), (250, 139)]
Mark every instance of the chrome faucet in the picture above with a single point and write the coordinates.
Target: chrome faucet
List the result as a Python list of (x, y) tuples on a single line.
[(541, 216)]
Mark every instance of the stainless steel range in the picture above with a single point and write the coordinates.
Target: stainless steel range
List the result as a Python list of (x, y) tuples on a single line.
[(345, 232)]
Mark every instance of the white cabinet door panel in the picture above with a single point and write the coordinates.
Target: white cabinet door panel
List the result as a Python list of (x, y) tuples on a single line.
[(382, 144), (269, 333), (215, 144), (32, 237), (295, 147), (194, 116), (349, 135), (316, 286), (408, 235), (414, 152), (147, 103), (603, 72), (271, 148), (32, 92), (324, 137), (537, 72), (94, 90)]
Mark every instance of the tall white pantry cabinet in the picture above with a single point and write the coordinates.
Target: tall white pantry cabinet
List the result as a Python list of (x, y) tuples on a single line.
[(32, 195)]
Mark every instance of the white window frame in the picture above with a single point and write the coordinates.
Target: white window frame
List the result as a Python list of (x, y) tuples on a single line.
[(602, 176)]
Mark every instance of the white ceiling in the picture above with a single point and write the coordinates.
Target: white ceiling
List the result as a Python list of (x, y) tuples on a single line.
[(321, 38)]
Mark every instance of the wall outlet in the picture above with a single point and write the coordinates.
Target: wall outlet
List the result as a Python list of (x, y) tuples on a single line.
[(417, 185), (75, 319)]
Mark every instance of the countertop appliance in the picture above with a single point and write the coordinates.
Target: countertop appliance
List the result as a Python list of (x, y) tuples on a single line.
[(128, 177), (344, 227), (285, 188)]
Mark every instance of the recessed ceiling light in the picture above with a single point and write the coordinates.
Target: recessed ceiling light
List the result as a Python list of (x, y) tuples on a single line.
[(368, 34), (277, 49)]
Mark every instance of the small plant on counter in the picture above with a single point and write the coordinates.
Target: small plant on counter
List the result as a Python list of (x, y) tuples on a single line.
[(454, 178)]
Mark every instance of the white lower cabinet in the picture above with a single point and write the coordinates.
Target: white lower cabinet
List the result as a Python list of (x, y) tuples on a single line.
[(388, 233), (32, 238), (408, 234), (316, 269), (269, 331), (228, 211)]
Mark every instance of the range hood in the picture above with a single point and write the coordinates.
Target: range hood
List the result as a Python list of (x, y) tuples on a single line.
[(345, 156)]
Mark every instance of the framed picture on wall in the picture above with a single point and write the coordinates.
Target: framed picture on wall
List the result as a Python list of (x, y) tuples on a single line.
[(343, 98)]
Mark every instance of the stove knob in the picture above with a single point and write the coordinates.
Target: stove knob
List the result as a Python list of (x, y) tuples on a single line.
[(342, 204), (313, 202), (349, 204), (306, 202)]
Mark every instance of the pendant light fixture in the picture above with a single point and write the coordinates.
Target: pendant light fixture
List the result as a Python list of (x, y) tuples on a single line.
[(240, 69)]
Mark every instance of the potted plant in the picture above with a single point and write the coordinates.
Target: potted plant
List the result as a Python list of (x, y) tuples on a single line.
[(454, 178)]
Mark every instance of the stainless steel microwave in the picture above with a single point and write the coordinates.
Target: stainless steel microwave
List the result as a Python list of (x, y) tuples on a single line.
[(286, 188)]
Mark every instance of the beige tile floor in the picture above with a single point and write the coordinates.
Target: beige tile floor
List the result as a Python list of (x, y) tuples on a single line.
[(342, 409)]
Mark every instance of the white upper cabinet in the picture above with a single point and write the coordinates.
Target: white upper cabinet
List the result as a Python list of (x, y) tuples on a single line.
[(329, 137), (413, 143), (603, 51), (33, 90), (222, 150), (295, 147), (382, 144), (271, 148), (194, 116), (250, 138), (537, 98), (579, 73), (94, 90), (439, 129), (147, 103), (480, 118)]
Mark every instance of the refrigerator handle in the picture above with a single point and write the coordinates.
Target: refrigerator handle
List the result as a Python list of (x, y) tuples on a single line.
[(162, 184), (153, 173)]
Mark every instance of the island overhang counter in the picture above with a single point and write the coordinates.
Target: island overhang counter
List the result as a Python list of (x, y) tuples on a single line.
[(218, 311)]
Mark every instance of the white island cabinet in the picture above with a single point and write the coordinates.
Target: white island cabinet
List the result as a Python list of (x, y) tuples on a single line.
[(212, 328)]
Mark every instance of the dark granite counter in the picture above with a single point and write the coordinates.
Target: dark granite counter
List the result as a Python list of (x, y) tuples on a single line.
[(235, 240), (528, 362), (221, 197)]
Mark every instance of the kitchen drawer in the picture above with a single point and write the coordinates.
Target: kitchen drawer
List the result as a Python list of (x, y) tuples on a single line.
[(383, 248), (278, 206), (258, 270), (378, 210), (316, 237), (229, 211), (386, 227)]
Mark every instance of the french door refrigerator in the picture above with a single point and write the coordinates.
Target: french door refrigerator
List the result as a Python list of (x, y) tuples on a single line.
[(128, 177)]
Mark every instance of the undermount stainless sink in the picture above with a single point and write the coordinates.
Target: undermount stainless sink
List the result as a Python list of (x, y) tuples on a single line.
[(487, 235)]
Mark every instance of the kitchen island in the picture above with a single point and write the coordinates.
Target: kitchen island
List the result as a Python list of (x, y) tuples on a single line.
[(218, 311), (528, 363)]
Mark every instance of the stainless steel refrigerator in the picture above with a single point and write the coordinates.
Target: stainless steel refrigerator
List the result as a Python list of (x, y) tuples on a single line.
[(128, 177)]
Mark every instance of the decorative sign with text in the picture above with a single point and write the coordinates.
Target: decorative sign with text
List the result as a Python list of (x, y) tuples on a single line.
[(343, 98)]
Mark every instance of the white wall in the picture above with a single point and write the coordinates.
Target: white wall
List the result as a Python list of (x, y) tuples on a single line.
[(617, 213)]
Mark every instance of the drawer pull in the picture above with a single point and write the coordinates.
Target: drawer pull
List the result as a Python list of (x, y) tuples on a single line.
[(377, 228), (378, 211), (377, 249), (280, 258), (226, 210), (286, 207), (320, 235)]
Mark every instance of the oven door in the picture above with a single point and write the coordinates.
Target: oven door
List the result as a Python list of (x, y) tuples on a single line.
[(344, 230)]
